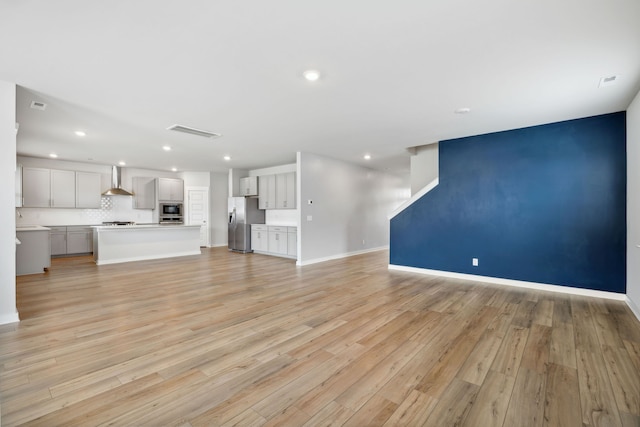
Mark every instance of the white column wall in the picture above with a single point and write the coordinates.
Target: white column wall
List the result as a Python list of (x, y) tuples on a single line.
[(8, 312), (424, 167), (349, 208), (218, 195), (633, 205)]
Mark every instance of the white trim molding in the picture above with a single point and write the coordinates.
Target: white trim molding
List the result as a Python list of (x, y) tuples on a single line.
[(433, 184), (339, 256), (634, 308), (9, 318), (514, 283)]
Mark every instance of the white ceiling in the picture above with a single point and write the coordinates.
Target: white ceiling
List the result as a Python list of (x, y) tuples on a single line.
[(392, 75)]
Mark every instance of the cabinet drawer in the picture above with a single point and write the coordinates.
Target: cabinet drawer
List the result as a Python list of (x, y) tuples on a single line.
[(292, 229), (276, 228), (258, 227)]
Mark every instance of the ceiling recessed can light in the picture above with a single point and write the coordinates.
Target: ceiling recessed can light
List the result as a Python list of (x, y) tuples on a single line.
[(174, 169), (463, 110), (367, 156), (122, 163), (227, 158), (311, 75), (80, 133), (166, 148), (53, 155)]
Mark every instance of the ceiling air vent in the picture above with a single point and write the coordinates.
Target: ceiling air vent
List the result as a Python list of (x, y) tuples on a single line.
[(194, 131), (37, 105)]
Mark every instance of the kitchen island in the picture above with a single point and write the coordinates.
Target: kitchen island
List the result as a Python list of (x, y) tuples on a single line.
[(115, 244)]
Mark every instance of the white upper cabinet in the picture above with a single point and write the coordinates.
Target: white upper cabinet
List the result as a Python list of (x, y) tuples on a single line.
[(267, 192), (63, 189), (249, 186), (52, 188), (286, 190), (88, 194), (36, 187), (170, 190), (277, 191), (144, 192)]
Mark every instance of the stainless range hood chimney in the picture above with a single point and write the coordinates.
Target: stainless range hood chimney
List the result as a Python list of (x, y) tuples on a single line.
[(116, 184)]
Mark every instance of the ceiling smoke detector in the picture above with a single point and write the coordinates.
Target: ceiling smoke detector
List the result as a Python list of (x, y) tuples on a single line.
[(37, 105), (194, 131)]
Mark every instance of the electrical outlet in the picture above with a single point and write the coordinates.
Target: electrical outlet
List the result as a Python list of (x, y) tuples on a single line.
[(474, 262), (309, 218), (363, 241)]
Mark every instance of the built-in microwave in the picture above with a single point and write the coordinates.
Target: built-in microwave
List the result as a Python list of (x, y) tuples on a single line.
[(171, 213), (167, 209)]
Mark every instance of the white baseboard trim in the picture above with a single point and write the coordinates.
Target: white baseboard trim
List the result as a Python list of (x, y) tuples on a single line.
[(634, 308), (514, 283), (219, 245), (147, 257), (339, 256), (9, 318)]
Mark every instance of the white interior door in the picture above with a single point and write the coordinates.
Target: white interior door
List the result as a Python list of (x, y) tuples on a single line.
[(198, 211)]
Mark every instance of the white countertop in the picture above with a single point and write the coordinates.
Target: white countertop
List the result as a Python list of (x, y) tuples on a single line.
[(32, 228), (141, 226)]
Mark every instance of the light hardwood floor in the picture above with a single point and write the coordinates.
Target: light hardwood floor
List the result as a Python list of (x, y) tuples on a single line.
[(250, 340)]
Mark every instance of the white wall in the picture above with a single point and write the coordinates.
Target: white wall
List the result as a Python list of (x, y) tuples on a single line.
[(424, 166), (8, 312), (350, 205), (633, 205), (218, 195)]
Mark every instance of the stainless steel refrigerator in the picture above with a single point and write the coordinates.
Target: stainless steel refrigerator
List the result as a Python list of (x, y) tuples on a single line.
[(243, 211)]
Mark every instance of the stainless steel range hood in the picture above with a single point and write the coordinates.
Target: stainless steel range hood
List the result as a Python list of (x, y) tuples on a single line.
[(116, 184)]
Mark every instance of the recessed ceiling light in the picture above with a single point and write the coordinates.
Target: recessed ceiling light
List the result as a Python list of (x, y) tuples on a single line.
[(80, 133), (166, 148), (174, 169), (227, 158), (53, 155), (463, 110), (367, 156), (311, 75), (121, 163), (608, 81)]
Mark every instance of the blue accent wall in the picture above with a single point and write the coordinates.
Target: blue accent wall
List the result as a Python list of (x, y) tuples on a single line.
[(542, 204)]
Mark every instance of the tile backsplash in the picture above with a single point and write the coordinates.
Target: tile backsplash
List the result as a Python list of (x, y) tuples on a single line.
[(113, 208)]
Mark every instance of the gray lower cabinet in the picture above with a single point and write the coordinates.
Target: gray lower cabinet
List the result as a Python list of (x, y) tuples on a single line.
[(32, 254), (79, 240), (58, 240), (275, 240), (71, 240), (278, 240)]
